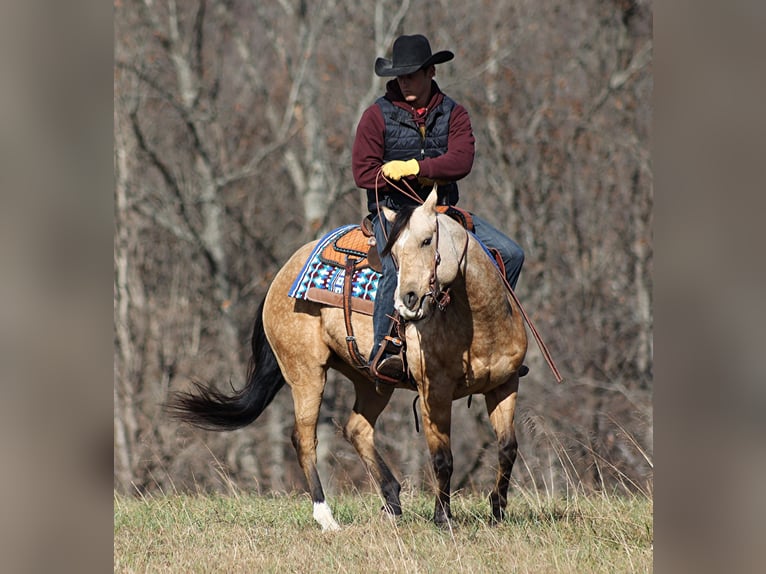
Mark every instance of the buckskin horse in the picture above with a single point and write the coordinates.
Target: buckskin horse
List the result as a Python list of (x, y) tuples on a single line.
[(464, 335)]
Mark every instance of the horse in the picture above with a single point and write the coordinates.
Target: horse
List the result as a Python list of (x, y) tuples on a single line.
[(464, 335)]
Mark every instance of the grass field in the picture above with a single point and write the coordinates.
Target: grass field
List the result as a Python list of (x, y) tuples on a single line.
[(257, 534)]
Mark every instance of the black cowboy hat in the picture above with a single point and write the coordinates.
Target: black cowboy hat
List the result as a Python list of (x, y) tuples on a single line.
[(411, 53)]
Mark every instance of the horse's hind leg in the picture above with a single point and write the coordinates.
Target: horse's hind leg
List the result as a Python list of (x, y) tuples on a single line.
[(501, 405), (360, 432), (307, 400)]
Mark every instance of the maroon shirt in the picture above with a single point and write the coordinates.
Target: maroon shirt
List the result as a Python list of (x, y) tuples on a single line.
[(367, 153)]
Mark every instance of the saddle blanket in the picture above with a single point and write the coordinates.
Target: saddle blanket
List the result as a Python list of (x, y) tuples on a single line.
[(322, 282)]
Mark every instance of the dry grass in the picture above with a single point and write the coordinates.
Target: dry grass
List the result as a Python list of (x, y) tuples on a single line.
[(243, 533)]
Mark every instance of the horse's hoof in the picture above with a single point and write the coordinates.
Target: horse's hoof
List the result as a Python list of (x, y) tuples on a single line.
[(323, 515), (333, 527), (391, 509), (443, 520)]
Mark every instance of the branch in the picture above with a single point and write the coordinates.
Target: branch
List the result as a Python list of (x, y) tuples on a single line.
[(183, 112), (175, 189), (382, 41), (251, 169), (149, 81), (199, 43), (619, 78), (640, 60), (309, 43), (160, 220), (188, 90)]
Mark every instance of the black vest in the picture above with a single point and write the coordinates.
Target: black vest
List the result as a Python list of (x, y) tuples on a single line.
[(403, 141)]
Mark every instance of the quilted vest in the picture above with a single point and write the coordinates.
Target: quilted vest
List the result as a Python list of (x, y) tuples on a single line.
[(403, 142)]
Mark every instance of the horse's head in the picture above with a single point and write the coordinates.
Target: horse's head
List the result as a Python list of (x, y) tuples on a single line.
[(429, 250)]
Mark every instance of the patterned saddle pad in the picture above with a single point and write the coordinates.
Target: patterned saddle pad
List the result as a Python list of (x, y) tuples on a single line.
[(322, 277)]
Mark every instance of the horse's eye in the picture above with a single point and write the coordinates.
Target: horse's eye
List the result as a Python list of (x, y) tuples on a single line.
[(426, 242)]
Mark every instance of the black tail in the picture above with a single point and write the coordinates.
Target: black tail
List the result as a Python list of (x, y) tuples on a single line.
[(211, 409)]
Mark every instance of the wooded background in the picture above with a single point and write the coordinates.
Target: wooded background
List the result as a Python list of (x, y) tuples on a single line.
[(233, 125)]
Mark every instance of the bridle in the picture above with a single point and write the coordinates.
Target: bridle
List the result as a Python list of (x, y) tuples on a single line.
[(441, 297)]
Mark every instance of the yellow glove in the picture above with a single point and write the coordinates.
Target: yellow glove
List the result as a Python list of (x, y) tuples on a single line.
[(398, 169)]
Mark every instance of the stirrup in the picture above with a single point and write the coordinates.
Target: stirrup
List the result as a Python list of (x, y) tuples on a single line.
[(390, 349), (392, 373), (391, 368), (389, 375)]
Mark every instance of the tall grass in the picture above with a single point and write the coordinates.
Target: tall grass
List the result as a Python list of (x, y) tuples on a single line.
[(543, 531), (244, 533)]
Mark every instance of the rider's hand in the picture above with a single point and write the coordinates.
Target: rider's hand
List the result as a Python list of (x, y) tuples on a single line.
[(398, 169)]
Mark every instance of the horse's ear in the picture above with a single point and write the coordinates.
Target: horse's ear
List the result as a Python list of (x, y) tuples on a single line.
[(389, 214), (430, 202)]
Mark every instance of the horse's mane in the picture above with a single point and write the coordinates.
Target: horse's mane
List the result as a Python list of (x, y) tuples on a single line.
[(402, 219)]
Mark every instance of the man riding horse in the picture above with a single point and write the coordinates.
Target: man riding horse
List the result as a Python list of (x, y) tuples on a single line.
[(447, 285), (418, 134)]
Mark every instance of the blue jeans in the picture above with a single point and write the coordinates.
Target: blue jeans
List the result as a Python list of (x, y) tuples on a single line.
[(384, 298), (510, 252)]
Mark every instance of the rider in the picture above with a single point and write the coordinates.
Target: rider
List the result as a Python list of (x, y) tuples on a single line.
[(415, 131)]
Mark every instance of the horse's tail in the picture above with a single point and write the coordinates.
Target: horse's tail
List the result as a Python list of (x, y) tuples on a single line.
[(212, 409)]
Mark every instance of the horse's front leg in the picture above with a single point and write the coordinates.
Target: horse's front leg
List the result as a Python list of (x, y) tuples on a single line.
[(501, 407), (437, 417)]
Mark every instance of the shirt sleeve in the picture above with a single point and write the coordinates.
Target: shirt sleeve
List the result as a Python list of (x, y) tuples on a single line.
[(458, 161), (367, 151)]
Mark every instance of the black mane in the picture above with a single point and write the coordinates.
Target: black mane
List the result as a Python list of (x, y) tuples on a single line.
[(402, 219)]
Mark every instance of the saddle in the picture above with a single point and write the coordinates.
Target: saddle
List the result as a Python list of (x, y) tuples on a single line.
[(357, 243), (460, 215)]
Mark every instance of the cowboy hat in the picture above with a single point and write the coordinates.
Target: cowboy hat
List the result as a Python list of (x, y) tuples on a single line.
[(411, 53)]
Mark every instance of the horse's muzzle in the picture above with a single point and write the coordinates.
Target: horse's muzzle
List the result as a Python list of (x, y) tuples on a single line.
[(413, 308), (411, 301)]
